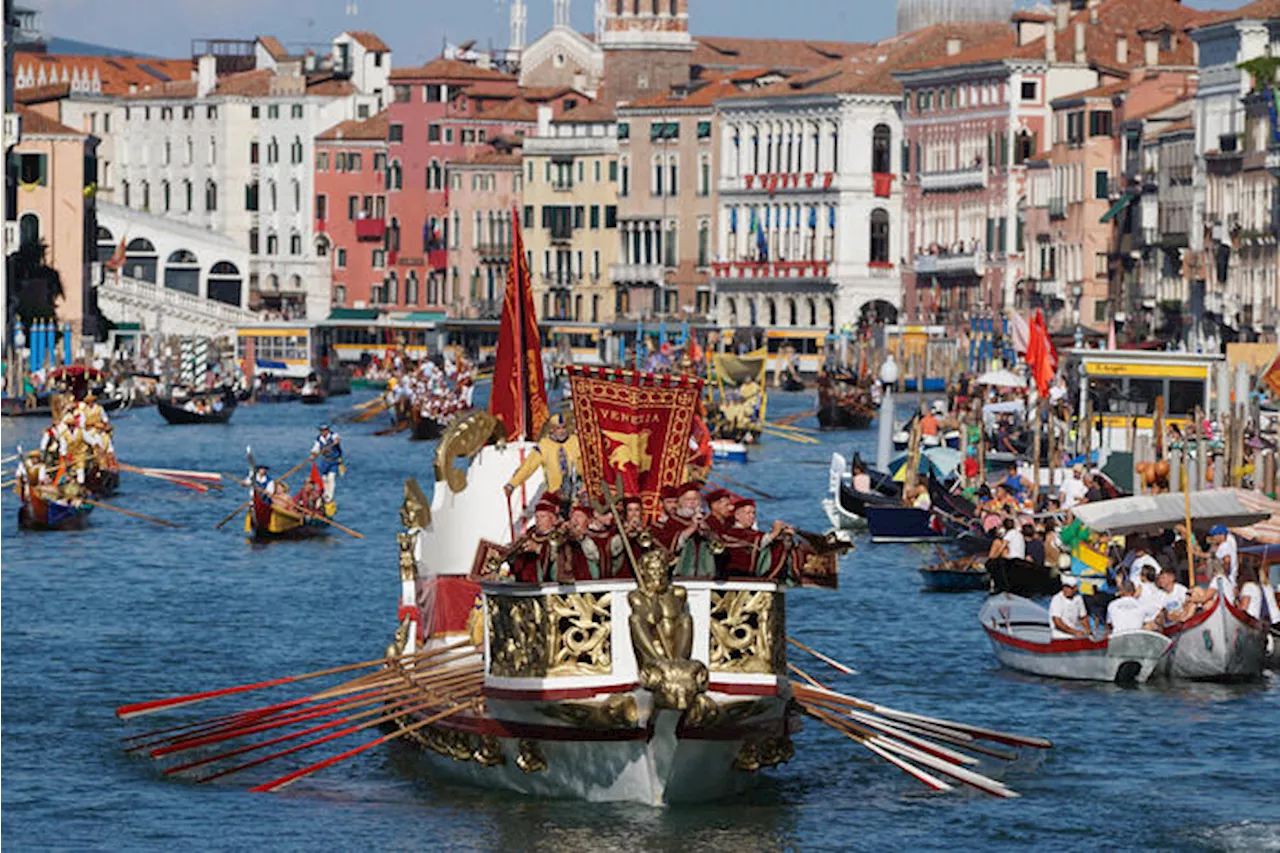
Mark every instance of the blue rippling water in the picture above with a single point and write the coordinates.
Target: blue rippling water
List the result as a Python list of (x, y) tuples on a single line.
[(125, 611)]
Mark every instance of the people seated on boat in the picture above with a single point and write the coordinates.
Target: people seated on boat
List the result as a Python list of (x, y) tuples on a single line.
[(326, 453), (970, 470), (533, 559), (917, 497), (1035, 544), (1219, 580), (929, 428), (1067, 615), (1150, 597), (1011, 545), (861, 480), (310, 498), (1225, 548), (1249, 596), (1005, 436), (1073, 489), (260, 482), (668, 500), (1142, 559), (1198, 598), (557, 454), (1173, 595), (1017, 485), (1124, 614)]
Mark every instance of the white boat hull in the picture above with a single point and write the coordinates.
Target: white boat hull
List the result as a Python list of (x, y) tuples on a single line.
[(1021, 638), (1222, 643), (728, 451)]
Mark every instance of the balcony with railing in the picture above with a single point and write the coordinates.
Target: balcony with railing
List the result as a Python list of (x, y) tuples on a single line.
[(641, 274), (1057, 208), (952, 180), (558, 280), (495, 251), (370, 230), (951, 264), (729, 274)]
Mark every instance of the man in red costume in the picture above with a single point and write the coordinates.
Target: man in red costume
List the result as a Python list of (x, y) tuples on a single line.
[(534, 559)]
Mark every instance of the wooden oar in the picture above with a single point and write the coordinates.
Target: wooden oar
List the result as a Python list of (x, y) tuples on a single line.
[(206, 476), (287, 474), (303, 514), (798, 439), (233, 514), (130, 512), (168, 478), (920, 775), (392, 430), (831, 662), (369, 414), (791, 420)]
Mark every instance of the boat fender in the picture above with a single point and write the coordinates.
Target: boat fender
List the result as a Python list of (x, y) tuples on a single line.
[(414, 614)]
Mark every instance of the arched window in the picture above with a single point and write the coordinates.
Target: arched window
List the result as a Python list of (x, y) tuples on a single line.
[(273, 151), (773, 312), (295, 243), (882, 149), (322, 246), (273, 244), (733, 311), (621, 10), (29, 230), (210, 196), (141, 260), (296, 188), (224, 283), (411, 288), (253, 240), (435, 176), (831, 314), (295, 151), (751, 312), (187, 194), (339, 295), (146, 195), (165, 194), (391, 294), (791, 312), (182, 272), (124, 192), (813, 313), (106, 244), (393, 235), (879, 236)]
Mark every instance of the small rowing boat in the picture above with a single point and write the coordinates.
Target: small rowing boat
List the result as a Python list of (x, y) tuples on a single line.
[(728, 451), (964, 575), (1220, 643), (267, 520), (1022, 638), (38, 513)]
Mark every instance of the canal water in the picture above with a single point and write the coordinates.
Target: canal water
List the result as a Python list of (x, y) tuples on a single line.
[(127, 611)]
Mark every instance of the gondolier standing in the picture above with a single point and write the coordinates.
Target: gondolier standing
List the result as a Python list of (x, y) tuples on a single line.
[(327, 452)]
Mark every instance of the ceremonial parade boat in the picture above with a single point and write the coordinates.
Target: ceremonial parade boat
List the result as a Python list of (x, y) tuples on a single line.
[(1022, 637), (843, 403)]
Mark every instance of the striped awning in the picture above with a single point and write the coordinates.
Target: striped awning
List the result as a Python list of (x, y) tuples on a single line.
[(1267, 531)]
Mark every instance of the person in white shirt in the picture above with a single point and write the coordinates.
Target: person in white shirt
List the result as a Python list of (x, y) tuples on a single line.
[(1226, 549), (1067, 614), (1142, 560), (1249, 595), (1011, 545), (1073, 490), (1172, 593), (1150, 599), (1219, 580), (1123, 614)]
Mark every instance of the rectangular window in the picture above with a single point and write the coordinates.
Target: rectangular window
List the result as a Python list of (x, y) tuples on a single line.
[(1029, 90), (528, 216), (251, 196), (578, 212), (255, 111), (342, 259), (613, 171), (611, 216), (1101, 184), (1099, 122), (595, 170), (395, 133), (624, 188), (704, 130), (353, 161), (624, 130), (595, 217), (322, 207), (660, 131), (353, 206), (296, 111), (273, 111), (433, 93), (322, 161), (32, 170), (433, 133), (400, 93), (253, 152), (448, 136), (1100, 313), (1100, 265)]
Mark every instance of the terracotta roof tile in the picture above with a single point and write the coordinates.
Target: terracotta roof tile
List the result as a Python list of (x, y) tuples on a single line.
[(249, 84), (730, 53), (592, 113), (492, 89), (372, 129), (369, 41), (328, 85), (702, 96), (516, 109), (41, 94), (34, 123), (115, 73), (486, 157), (273, 47), (1259, 10), (449, 69)]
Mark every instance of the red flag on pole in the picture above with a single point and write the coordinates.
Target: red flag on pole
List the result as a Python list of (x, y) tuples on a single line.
[(519, 397), (1042, 358)]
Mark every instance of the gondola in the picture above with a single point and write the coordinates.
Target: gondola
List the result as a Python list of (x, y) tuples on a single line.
[(904, 524), (424, 427), (954, 576), (842, 404), (175, 414), (265, 523), (1023, 577), (792, 383), (36, 513), (314, 398)]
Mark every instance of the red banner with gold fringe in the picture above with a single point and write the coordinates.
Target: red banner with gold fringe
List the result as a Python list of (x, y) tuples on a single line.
[(518, 397), (635, 427)]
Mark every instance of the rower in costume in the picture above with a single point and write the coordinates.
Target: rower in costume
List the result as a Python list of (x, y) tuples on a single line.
[(328, 450)]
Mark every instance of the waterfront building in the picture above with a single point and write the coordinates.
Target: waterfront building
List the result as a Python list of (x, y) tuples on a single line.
[(351, 210), (570, 214), (485, 193)]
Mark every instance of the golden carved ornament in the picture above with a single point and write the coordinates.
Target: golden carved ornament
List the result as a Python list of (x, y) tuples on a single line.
[(616, 712), (401, 641), (748, 631), (552, 636), (463, 440), (581, 634), (766, 751), (530, 758), (662, 636), (408, 562), (517, 636), (488, 753), (415, 510)]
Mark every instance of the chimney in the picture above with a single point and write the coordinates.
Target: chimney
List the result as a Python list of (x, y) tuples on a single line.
[(544, 120), (1150, 50), (1050, 45), (1062, 12), (1122, 49), (1079, 53), (206, 75), (953, 46), (1093, 11)]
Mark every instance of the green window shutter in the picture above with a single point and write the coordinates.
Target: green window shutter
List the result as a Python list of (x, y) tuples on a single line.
[(991, 235), (1101, 181)]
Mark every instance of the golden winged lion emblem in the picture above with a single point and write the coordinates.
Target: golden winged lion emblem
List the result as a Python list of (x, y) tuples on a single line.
[(632, 449)]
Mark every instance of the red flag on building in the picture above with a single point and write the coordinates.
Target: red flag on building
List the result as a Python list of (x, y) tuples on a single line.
[(1271, 377), (519, 396), (635, 427), (117, 257), (1041, 357)]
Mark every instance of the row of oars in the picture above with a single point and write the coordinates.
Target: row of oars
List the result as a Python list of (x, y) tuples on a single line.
[(200, 481), (926, 748), (410, 692)]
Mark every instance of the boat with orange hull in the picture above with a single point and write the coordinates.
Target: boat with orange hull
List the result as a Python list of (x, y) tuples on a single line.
[(267, 520)]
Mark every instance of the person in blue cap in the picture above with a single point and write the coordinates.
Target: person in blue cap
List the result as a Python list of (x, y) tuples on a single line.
[(327, 454), (1226, 549)]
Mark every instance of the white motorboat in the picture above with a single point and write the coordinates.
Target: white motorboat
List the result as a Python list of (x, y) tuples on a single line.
[(1022, 637)]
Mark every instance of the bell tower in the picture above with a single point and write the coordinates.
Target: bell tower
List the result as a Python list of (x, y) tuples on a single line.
[(647, 47)]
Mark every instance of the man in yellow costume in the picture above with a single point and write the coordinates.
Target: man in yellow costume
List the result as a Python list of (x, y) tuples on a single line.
[(558, 456)]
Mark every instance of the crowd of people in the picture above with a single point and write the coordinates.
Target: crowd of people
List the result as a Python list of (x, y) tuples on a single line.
[(436, 389), (74, 448)]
